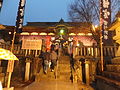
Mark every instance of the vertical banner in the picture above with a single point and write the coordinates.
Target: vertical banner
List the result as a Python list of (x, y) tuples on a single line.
[(20, 16), (1, 2), (48, 42), (105, 16)]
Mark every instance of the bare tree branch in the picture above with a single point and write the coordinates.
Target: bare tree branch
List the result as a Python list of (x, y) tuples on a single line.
[(88, 11)]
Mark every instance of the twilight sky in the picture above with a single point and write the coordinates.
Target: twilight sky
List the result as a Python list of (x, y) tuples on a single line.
[(35, 11)]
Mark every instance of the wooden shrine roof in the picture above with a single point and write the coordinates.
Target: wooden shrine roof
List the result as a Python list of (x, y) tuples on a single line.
[(73, 27)]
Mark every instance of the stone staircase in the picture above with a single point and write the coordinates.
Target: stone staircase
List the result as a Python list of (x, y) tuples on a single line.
[(62, 71), (110, 78)]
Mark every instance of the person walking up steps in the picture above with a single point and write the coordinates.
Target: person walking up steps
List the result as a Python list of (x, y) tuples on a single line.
[(54, 58), (46, 61), (46, 58)]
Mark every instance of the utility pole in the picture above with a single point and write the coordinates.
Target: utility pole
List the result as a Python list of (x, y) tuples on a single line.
[(17, 29), (11, 62)]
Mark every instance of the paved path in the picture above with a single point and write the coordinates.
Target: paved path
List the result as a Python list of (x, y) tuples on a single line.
[(50, 85)]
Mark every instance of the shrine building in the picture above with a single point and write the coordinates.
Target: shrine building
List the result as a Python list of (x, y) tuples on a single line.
[(77, 32)]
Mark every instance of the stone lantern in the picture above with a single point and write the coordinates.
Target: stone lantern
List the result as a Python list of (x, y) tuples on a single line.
[(116, 27), (2, 27)]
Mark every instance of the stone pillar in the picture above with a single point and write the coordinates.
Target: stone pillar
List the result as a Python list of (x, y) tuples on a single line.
[(94, 51), (87, 72), (93, 70), (75, 50), (27, 69), (118, 52), (80, 74)]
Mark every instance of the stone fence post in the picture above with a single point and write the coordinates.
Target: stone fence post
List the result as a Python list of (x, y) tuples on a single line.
[(77, 71), (27, 69), (87, 71)]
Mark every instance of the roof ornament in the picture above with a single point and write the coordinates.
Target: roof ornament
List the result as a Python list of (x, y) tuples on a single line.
[(61, 21), (118, 14)]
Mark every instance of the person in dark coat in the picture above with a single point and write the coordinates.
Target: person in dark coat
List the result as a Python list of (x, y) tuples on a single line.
[(46, 58)]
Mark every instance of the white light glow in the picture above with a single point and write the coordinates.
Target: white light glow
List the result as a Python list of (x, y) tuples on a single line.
[(51, 34), (78, 44), (34, 33), (89, 34), (24, 33), (81, 34), (72, 34), (9, 32), (42, 33), (52, 38)]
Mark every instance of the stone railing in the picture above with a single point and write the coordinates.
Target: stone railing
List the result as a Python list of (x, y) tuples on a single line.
[(18, 51), (94, 51)]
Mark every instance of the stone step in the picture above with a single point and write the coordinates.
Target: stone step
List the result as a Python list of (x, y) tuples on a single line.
[(64, 66), (112, 75), (60, 76), (64, 62), (65, 73), (113, 67), (64, 78), (116, 60), (52, 75), (103, 83), (48, 76), (60, 69)]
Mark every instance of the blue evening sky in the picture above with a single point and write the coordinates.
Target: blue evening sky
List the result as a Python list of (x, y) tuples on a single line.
[(35, 11)]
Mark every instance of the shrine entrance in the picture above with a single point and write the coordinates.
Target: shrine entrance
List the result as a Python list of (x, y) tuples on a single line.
[(63, 39)]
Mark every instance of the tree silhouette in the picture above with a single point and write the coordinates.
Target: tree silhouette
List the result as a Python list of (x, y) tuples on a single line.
[(88, 10)]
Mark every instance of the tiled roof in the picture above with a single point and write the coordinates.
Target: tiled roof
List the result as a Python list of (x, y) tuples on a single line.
[(73, 27), (49, 24)]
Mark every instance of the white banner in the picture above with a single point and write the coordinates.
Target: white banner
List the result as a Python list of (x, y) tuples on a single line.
[(20, 16)]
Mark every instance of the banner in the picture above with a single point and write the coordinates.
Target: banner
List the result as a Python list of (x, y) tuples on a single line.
[(20, 16), (1, 2), (105, 16)]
